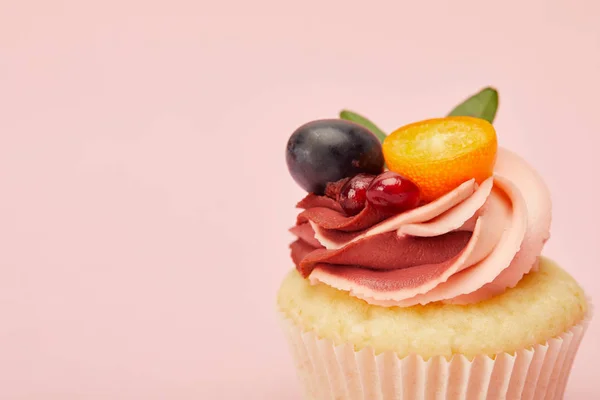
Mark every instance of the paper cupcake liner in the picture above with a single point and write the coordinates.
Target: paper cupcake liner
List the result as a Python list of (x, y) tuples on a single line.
[(327, 371)]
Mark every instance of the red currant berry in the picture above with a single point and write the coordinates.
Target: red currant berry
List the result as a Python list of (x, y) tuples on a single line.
[(353, 195), (391, 192)]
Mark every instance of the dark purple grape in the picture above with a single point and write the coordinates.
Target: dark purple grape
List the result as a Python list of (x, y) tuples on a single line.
[(328, 150)]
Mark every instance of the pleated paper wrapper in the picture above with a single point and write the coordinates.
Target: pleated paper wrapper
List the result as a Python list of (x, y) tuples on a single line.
[(327, 371)]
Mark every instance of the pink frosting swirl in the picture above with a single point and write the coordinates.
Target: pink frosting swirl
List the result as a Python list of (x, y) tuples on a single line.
[(469, 245)]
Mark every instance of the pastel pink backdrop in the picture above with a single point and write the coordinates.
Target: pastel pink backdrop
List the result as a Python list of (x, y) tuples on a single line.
[(144, 197)]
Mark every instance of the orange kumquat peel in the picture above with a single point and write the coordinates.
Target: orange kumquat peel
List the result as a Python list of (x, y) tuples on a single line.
[(440, 154)]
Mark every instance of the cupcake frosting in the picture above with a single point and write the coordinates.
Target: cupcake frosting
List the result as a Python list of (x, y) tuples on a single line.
[(468, 245)]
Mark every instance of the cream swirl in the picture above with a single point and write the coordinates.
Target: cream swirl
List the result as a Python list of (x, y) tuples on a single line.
[(469, 245)]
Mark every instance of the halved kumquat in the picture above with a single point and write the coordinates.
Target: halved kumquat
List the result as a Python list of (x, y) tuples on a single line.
[(440, 154)]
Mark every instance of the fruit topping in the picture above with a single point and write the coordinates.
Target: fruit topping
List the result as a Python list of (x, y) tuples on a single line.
[(393, 193), (353, 195), (388, 192), (325, 151), (439, 154)]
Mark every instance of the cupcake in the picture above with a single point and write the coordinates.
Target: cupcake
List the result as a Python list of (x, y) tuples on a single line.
[(418, 269)]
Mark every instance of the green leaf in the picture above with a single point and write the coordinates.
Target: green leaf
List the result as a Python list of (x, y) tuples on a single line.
[(481, 105), (359, 119)]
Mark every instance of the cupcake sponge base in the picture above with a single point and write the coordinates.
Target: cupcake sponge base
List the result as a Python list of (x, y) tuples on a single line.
[(338, 372), (544, 305)]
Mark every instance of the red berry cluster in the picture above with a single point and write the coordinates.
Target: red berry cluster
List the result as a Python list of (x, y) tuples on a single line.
[(389, 192)]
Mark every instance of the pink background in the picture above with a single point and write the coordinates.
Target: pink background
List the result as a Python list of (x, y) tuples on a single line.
[(144, 197)]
